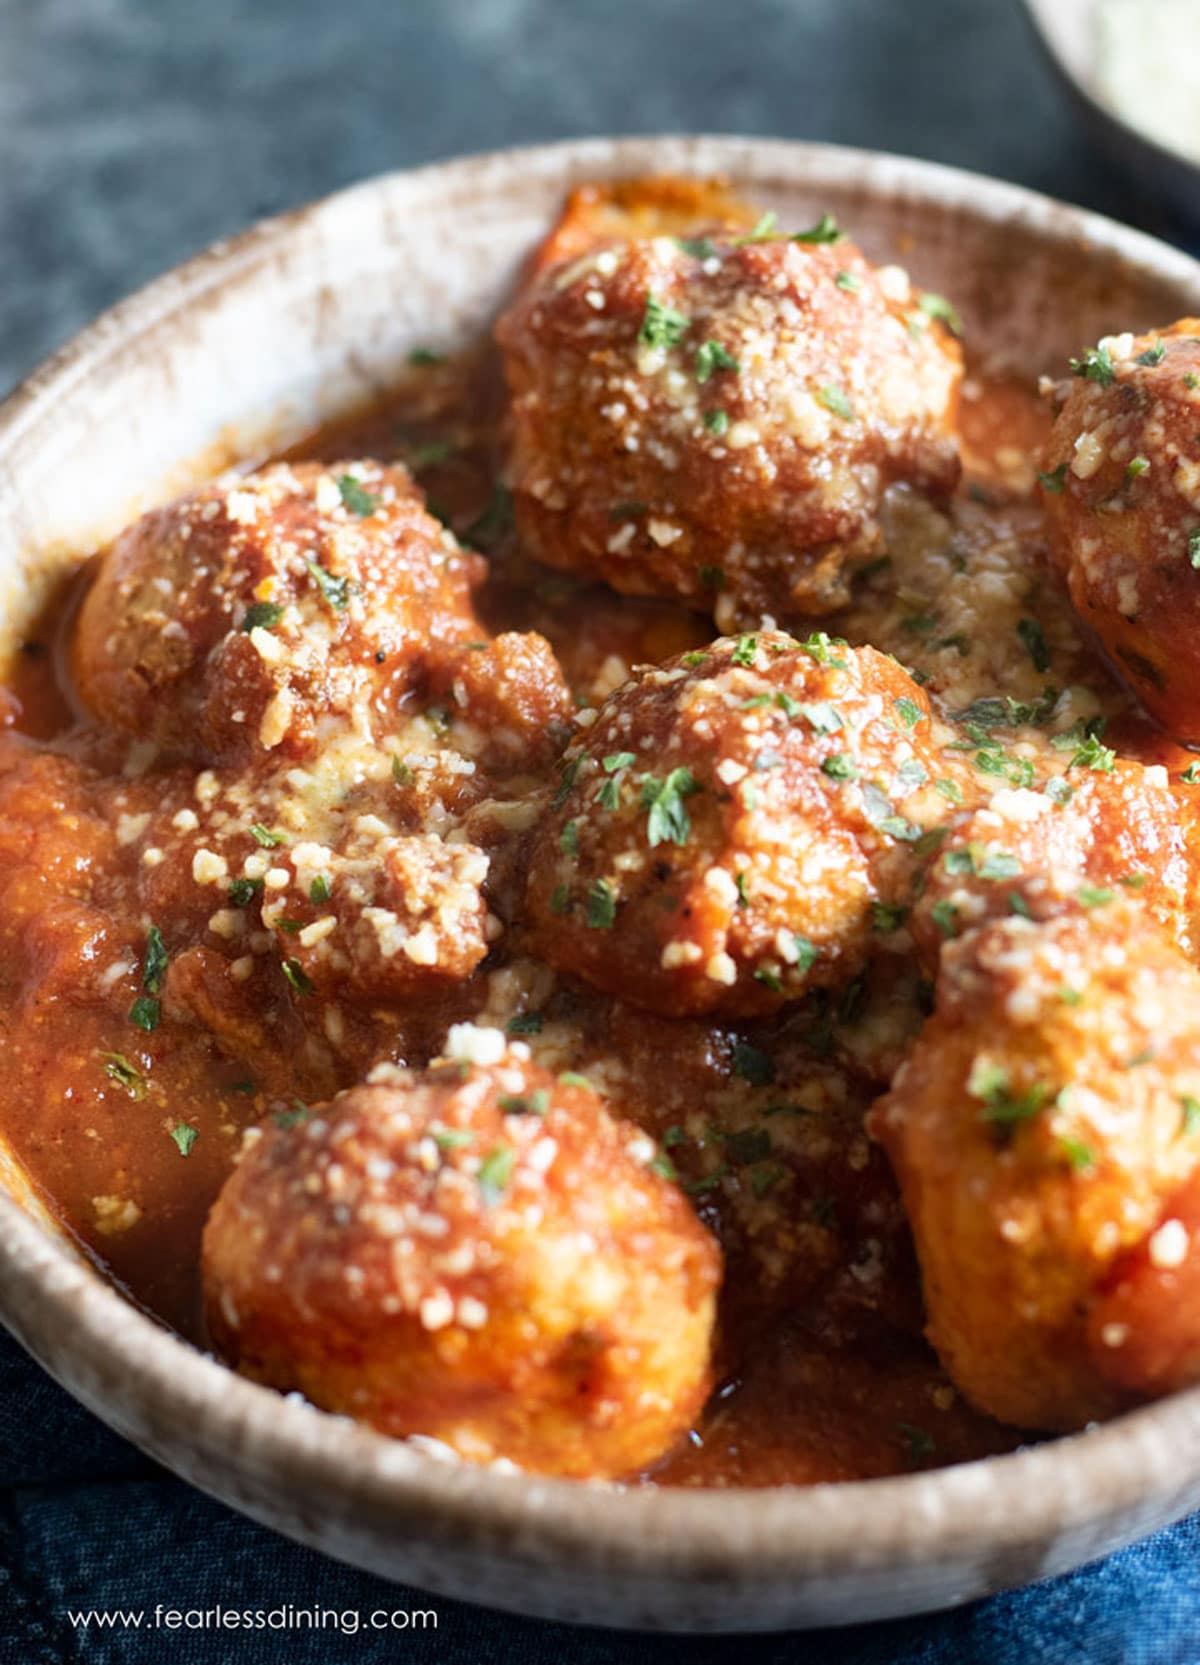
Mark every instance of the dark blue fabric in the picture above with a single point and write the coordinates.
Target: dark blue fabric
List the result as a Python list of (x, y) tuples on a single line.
[(86, 1522)]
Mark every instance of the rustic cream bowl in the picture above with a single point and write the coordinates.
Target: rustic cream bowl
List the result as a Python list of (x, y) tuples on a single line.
[(249, 345)]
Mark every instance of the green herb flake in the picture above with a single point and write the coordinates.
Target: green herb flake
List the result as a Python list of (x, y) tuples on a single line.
[(821, 716), (1018, 905), (887, 916), (1136, 467), (145, 1013), (525, 1023), (423, 357), (243, 891), (945, 917), (568, 841), (909, 711), (660, 1163), (717, 422), (745, 651), (1190, 1122), (262, 615), (937, 306), (262, 835), (1095, 366), (806, 954), (1151, 357), (835, 400), (495, 1173), (359, 501), (572, 1078), (1194, 547), (449, 1139), (668, 820), (1034, 642), (661, 326), (118, 1068), (819, 646), (710, 357), (1094, 896), (752, 1064), (849, 281), (1191, 774), (321, 889), (297, 977), (825, 231), (536, 1103), (840, 766), (1080, 1156), (601, 912), (989, 1084), (1055, 480), (185, 1136)]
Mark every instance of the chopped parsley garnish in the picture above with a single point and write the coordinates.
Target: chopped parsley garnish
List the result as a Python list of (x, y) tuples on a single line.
[(1194, 546), (668, 820), (717, 422), (661, 325), (818, 646), (1081, 1157), (264, 836), (1090, 754), (568, 841), (1191, 774), (525, 1023), (154, 962), (422, 356), (880, 812), (823, 717), (1018, 905), (401, 773), (1095, 366), (262, 615), (921, 1445), (428, 455), (357, 499), (297, 977), (1191, 380), (752, 1064), (763, 229), (1002, 1107), (295, 1117), (145, 1012), (566, 781), (911, 774), (769, 979), (601, 906), (747, 1145), (908, 711), (336, 591), (243, 891), (1153, 356), (1094, 896), (1136, 467), (559, 899), (937, 306), (806, 954), (185, 1136), (660, 1163), (700, 248), (452, 1138), (1055, 480), (887, 916), (825, 231), (849, 281), (1191, 1113), (118, 1068), (711, 356), (1030, 632), (945, 917), (1058, 790), (320, 890), (744, 652), (981, 863), (572, 1078), (841, 766), (536, 1103), (834, 399), (495, 1172)]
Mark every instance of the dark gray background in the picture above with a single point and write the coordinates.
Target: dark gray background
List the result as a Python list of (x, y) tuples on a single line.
[(132, 132)]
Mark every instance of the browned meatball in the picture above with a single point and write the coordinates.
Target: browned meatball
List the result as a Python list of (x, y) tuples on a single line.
[(717, 417), (1038, 1129), (478, 1254), (724, 830), (1122, 495), (240, 620), (1098, 825)]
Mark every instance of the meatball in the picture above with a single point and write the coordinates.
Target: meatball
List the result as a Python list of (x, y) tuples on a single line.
[(239, 620), (717, 417), (1122, 496), (1037, 1130), (1102, 823), (724, 830), (479, 1254)]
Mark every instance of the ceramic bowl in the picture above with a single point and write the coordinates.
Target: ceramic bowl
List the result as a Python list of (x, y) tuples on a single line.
[(1068, 31), (248, 346)]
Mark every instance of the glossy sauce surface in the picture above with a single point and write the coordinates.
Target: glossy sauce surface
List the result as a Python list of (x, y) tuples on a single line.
[(823, 1371)]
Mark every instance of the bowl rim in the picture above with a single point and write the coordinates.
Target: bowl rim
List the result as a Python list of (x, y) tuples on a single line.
[(125, 1366)]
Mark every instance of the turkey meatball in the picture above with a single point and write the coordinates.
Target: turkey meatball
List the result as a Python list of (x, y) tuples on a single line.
[(716, 417), (243, 618), (479, 1254), (725, 830), (1038, 1130), (1122, 496)]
